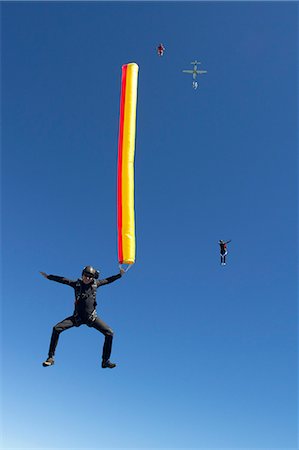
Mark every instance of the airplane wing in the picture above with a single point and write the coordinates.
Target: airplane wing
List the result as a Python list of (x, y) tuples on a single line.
[(201, 71), (188, 71)]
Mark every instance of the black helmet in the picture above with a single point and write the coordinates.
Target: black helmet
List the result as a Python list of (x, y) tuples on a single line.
[(91, 271)]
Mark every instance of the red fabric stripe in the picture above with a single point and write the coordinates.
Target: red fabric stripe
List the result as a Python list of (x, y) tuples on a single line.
[(119, 172)]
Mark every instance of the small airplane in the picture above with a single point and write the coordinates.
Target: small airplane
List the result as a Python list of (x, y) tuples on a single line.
[(195, 72)]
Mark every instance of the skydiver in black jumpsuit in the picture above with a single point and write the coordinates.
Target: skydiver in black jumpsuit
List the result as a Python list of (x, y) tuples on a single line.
[(223, 251), (84, 312)]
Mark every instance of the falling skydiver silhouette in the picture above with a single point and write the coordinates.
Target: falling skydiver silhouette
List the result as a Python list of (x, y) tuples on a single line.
[(223, 251)]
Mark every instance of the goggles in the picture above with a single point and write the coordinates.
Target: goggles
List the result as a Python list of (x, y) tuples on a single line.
[(88, 275)]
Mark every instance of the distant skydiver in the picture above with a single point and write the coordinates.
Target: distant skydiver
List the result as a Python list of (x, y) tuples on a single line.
[(84, 311), (160, 49), (223, 251)]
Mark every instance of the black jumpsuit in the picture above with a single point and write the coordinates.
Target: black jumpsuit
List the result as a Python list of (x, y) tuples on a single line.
[(84, 313)]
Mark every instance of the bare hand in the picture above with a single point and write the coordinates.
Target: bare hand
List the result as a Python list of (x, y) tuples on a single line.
[(122, 271), (44, 274)]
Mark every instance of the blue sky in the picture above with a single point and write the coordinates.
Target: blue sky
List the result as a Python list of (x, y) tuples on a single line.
[(207, 355)]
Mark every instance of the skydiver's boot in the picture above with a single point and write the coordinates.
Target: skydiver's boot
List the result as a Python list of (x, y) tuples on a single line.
[(108, 364), (48, 362)]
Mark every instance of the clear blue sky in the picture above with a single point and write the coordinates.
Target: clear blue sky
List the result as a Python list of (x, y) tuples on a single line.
[(207, 355)]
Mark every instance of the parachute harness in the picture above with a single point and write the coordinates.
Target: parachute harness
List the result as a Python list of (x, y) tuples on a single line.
[(78, 293)]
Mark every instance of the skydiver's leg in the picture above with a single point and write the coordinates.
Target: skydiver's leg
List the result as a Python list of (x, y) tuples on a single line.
[(101, 326), (224, 258), (67, 323)]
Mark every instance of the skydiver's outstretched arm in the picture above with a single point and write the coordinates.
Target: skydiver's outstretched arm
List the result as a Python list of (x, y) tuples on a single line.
[(111, 279), (59, 279)]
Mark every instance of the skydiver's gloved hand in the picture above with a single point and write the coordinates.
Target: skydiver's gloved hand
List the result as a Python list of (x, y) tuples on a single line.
[(122, 271), (44, 274)]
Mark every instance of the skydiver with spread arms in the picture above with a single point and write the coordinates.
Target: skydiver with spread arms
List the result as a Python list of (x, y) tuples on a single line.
[(223, 251), (84, 312)]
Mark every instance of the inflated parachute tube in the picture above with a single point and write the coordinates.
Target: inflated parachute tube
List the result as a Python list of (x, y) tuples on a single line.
[(125, 172)]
